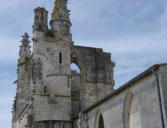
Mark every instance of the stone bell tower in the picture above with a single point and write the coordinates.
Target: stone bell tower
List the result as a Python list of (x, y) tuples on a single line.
[(51, 71)]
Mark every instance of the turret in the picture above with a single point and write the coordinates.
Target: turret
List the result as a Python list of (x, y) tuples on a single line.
[(40, 19), (60, 21)]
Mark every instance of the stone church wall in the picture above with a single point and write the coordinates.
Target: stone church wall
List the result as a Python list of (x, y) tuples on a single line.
[(75, 93), (96, 73), (97, 65), (48, 108), (135, 106), (163, 85)]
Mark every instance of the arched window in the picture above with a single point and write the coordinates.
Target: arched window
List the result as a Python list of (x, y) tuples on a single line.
[(101, 122)]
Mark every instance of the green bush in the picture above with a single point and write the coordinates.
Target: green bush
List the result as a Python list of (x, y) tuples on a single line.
[(49, 33)]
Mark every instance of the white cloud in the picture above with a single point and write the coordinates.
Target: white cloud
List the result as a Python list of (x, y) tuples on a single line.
[(128, 45), (9, 49), (8, 5), (163, 18), (5, 100)]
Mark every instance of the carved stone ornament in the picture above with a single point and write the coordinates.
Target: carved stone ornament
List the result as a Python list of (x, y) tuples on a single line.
[(82, 121), (37, 68)]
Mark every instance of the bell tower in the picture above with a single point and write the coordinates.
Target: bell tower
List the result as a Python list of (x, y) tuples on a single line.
[(51, 70)]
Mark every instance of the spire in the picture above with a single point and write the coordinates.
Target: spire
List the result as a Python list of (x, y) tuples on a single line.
[(60, 10), (60, 22), (25, 47)]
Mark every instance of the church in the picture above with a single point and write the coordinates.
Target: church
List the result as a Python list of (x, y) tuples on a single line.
[(52, 95)]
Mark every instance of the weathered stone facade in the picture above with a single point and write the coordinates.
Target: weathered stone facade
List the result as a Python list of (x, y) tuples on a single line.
[(51, 95)]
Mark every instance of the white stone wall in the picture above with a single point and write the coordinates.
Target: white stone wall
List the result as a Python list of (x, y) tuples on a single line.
[(143, 112), (163, 88)]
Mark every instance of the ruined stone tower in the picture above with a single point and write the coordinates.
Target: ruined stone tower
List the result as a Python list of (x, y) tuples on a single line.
[(49, 94)]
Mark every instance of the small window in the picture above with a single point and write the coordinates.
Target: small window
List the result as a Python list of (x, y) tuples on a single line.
[(44, 89), (60, 58), (101, 122)]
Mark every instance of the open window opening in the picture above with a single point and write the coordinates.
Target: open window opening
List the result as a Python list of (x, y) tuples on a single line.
[(101, 122), (60, 58), (44, 89)]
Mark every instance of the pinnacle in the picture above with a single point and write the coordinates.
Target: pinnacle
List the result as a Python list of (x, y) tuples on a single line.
[(25, 47), (25, 38), (60, 10)]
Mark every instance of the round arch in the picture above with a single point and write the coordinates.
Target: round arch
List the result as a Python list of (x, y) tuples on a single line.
[(76, 61)]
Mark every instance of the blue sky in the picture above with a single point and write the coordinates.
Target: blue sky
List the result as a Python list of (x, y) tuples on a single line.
[(134, 31)]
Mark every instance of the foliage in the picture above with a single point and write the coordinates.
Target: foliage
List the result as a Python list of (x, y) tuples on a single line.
[(26, 59), (49, 33)]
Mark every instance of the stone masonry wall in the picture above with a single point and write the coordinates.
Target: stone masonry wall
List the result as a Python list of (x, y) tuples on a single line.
[(96, 73), (97, 64), (163, 88), (140, 110)]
